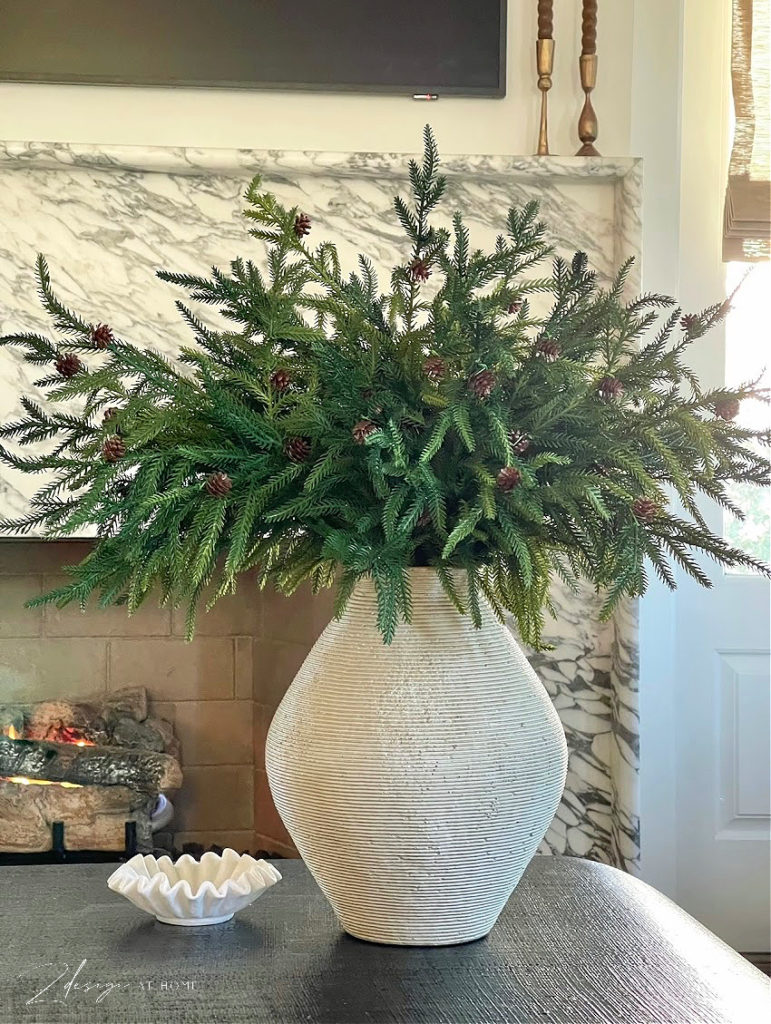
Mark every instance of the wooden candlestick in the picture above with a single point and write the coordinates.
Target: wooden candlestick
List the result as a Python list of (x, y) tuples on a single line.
[(587, 122), (544, 62), (544, 57)]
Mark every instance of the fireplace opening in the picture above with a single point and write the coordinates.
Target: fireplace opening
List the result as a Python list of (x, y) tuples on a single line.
[(79, 780)]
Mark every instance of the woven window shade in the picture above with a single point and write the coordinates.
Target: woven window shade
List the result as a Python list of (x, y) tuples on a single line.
[(747, 220)]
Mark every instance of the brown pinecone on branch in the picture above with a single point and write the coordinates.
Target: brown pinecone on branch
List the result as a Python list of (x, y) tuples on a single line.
[(68, 364), (508, 478), (297, 449), (727, 408), (101, 335), (610, 388), (302, 225), (514, 307), (113, 448), (110, 413), (519, 441), (280, 379), (547, 349), (434, 368), (645, 509), (482, 383), (218, 485), (419, 270), (361, 430)]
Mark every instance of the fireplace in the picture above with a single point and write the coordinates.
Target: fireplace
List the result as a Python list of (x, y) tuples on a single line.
[(85, 777), (131, 210)]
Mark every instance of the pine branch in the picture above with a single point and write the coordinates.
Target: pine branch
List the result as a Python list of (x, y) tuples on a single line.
[(331, 432)]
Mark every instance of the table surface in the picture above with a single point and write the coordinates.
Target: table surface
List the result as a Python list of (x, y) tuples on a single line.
[(578, 943)]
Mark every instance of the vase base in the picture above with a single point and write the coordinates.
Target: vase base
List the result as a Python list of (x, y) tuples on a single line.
[(424, 941)]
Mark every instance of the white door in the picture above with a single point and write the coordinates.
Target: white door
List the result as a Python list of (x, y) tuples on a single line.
[(723, 711), (722, 720)]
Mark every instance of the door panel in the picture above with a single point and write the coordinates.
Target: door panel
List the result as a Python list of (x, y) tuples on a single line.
[(744, 711)]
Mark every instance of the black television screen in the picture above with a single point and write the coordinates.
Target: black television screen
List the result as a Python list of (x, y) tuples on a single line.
[(398, 46)]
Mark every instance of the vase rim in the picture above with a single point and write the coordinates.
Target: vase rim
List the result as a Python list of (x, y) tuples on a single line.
[(424, 571), (422, 578)]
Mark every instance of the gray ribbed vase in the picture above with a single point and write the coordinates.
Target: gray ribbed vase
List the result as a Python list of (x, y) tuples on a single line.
[(416, 779)]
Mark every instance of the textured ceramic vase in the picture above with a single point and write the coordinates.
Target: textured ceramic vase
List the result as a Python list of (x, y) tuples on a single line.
[(416, 779)]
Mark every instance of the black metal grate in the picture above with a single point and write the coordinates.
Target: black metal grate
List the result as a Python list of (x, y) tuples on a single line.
[(59, 854)]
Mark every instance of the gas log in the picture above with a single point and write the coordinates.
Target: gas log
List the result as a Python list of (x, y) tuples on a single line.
[(94, 816), (146, 771)]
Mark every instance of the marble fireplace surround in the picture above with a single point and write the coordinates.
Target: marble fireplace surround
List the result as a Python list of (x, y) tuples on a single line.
[(108, 217)]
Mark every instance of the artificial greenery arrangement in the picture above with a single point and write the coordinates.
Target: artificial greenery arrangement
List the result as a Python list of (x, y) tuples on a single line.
[(330, 431)]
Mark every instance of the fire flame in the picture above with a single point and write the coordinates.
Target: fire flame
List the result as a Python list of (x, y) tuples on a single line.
[(66, 734), (60, 734), (22, 780)]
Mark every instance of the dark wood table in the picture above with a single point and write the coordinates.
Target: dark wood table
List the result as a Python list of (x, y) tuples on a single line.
[(578, 943)]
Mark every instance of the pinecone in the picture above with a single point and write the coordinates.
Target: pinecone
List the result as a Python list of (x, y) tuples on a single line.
[(482, 383), (519, 441), (514, 307), (727, 408), (101, 335), (688, 322), (547, 349), (68, 364), (508, 478), (645, 509), (280, 379), (610, 388), (297, 449), (419, 270), (218, 485), (434, 368), (302, 224), (362, 430), (110, 413), (113, 448)]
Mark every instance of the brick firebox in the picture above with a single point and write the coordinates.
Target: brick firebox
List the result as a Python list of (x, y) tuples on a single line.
[(220, 691)]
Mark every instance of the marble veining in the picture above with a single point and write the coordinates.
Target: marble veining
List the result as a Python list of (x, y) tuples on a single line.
[(107, 218)]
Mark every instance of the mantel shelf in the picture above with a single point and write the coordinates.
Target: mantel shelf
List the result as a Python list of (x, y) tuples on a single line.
[(243, 162)]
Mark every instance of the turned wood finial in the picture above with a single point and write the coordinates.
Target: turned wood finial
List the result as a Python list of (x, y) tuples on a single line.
[(589, 27), (545, 19)]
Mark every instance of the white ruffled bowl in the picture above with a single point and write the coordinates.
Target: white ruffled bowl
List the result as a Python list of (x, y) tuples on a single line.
[(191, 892)]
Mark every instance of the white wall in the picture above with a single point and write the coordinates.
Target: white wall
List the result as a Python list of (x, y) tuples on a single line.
[(333, 121), (656, 102)]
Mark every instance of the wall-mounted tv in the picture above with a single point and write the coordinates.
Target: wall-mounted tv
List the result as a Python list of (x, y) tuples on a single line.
[(446, 47)]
